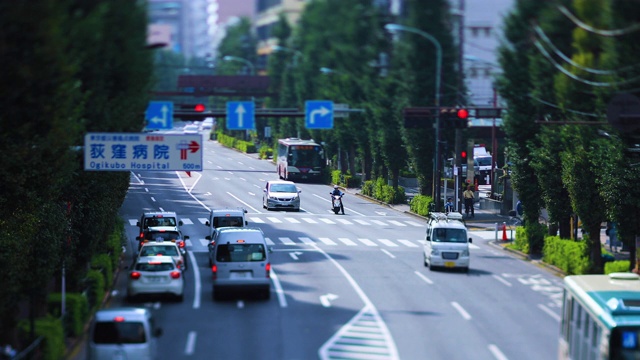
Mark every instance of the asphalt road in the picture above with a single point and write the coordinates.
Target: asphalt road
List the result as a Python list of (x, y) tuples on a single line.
[(349, 285)]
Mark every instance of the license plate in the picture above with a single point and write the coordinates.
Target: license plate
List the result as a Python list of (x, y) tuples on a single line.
[(240, 275), (449, 264), (154, 279)]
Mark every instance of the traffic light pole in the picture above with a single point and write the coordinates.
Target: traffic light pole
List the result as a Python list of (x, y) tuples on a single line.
[(458, 167)]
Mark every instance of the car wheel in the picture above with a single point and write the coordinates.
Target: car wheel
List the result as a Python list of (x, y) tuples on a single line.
[(217, 296)]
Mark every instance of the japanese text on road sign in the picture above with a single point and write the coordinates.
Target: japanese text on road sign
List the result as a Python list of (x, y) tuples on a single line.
[(144, 152)]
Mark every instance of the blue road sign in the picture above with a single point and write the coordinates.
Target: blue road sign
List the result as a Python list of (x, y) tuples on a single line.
[(318, 114), (159, 115), (241, 115)]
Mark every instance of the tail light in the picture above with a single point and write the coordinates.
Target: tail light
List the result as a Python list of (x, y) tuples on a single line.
[(181, 244), (141, 235), (175, 274), (268, 269), (214, 271), (134, 275)]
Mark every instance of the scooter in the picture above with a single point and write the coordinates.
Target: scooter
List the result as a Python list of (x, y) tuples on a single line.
[(336, 202)]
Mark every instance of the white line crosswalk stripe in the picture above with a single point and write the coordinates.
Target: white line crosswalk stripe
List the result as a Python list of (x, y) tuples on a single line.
[(275, 220), (187, 221), (133, 222), (346, 222), (378, 222), (307, 241), (256, 220), (286, 241), (326, 221), (407, 243), (397, 223), (347, 242), (362, 222), (367, 242), (310, 220), (292, 220), (327, 241), (413, 223), (204, 242), (269, 241), (388, 242), (203, 220)]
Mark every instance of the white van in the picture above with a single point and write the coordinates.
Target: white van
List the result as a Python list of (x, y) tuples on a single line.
[(447, 242), (123, 333)]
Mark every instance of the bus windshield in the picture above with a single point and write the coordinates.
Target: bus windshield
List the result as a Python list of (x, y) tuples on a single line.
[(305, 157)]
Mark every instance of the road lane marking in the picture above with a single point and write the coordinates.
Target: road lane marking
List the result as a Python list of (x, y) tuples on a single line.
[(367, 242), (344, 221), (286, 241), (347, 242), (421, 276), (388, 253), (327, 241), (256, 220), (550, 312), (362, 222), (408, 243), (282, 299), (307, 240), (388, 242), (326, 221), (191, 343), (292, 220), (274, 220), (397, 223), (462, 311), (378, 222), (499, 278), (196, 278), (269, 241), (310, 220), (497, 353)]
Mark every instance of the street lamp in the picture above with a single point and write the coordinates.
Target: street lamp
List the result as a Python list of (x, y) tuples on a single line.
[(235, 58), (296, 53), (395, 28)]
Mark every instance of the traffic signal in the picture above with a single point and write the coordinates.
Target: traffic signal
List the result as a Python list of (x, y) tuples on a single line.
[(454, 118), (190, 112), (463, 157), (199, 108), (462, 119)]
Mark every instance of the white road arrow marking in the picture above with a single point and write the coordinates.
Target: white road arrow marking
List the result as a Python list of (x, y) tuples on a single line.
[(322, 112), (326, 300), (240, 111), (294, 255), (381, 213)]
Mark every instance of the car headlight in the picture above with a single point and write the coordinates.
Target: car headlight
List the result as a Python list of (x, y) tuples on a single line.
[(465, 253), (435, 252)]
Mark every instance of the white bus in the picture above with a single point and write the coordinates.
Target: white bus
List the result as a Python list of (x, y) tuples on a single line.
[(300, 159), (600, 317)]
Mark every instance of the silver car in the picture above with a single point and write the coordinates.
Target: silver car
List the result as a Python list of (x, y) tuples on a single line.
[(239, 260), (155, 275), (281, 194)]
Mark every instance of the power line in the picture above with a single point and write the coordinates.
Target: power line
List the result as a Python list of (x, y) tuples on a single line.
[(608, 33), (577, 112)]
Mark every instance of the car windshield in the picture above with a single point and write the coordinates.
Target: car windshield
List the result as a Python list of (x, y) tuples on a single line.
[(449, 235), (154, 266), (484, 161), (162, 235), (283, 188), (240, 252), (152, 250), (109, 332), (159, 221)]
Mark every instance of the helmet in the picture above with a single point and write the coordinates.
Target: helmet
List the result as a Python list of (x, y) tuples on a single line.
[(335, 186)]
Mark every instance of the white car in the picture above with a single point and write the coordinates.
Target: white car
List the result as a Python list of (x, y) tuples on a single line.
[(155, 275), (281, 194), (207, 124), (162, 247), (191, 129)]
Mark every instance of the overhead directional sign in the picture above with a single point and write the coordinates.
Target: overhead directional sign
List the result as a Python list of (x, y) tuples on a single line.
[(142, 151), (159, 115), (241, 115), (318, 114)]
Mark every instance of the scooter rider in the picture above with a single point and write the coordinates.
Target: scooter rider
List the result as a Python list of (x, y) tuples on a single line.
[(336, 191)]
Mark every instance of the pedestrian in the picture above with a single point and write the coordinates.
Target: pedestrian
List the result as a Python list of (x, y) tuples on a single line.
[(448, 206), (519, 210), (468, 201), (613, 236)]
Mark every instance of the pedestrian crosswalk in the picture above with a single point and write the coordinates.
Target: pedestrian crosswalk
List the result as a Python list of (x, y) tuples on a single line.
[(341, 241), (309, 220)]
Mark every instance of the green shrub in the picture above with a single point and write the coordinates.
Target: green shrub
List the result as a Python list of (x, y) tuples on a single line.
[(617, 266), (420, 204), (265, 152), (353, 181), (568, 255), (50, 328), (335, 177), (521, 243), (95, 288), (102, 263), (116, 241), (367, 188), (76, 307), (246, 147)]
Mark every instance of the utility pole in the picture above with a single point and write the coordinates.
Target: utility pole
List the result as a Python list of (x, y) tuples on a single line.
[(461, 100)]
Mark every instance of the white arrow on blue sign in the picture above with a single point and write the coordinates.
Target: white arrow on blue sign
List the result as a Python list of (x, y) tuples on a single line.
[(318, 114), (241, 115), (159, 115)]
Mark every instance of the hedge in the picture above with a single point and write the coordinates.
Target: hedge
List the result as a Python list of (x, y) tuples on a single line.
[(231, 142), (95, 288), (77, 309), (50, 328), (420, 204), (102, 263), (568, 255)]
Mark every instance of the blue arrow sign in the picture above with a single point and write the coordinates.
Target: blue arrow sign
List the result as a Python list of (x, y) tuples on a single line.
[(318, 114), (159, 115), (241, 115)]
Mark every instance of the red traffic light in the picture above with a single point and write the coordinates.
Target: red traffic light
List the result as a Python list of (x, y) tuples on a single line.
[(463, 114), (198, 108), (463, 155)]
